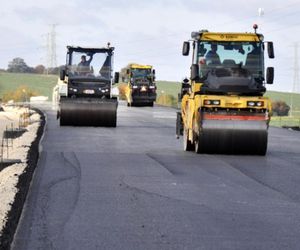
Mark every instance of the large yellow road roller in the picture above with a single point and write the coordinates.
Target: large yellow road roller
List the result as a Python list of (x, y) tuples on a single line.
[(223, 109)]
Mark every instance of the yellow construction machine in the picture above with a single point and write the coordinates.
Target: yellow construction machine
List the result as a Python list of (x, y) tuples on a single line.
[(223, 109), (141, 88), (83, 91)]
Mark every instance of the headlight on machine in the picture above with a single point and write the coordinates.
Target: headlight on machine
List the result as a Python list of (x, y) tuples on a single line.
[(260, 104), (255, 103), (104, 90), (72, 89), (251, 104), (211, 102), (134, 87)]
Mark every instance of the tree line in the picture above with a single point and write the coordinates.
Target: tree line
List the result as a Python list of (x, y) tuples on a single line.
[(18, 65)]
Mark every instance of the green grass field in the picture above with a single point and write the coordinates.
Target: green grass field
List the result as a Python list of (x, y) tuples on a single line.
[(292, 99), (42, 84), (170, 88), (280, 121)]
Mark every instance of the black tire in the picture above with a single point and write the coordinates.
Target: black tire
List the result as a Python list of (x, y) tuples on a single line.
[(62, 120), (187, 144), (198, 145), (179, 124)]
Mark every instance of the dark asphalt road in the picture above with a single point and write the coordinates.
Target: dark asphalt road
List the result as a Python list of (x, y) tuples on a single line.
[(132, 187)]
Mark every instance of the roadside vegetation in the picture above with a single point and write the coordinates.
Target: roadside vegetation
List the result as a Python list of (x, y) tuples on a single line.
[(122, 88), (18, 86)]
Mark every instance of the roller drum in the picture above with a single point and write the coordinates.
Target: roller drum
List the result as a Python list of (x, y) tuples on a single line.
[(88, 112), (233, 137)]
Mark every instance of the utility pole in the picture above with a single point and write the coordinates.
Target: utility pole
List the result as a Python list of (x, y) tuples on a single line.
[(296, 76), (51, 48), (296, 70)]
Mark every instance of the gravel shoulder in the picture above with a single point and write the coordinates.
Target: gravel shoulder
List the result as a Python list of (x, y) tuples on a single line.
[(15, 179)]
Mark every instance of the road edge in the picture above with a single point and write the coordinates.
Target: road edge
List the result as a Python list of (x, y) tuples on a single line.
[(23, 185)]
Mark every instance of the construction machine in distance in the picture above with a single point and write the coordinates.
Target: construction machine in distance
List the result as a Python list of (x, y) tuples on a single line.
[(223, 109), (141, 88), (84, 89)]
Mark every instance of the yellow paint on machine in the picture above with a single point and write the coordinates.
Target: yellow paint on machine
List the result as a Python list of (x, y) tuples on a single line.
[(239, 37), (139, 66)]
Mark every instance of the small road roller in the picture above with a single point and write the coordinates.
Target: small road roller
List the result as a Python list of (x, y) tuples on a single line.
[(141, 88), (84, 87)]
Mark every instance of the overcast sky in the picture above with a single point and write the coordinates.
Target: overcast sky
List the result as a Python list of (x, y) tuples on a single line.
[(146, 32)]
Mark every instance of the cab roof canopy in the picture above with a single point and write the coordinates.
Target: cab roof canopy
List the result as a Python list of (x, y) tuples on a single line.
[(140, 66), (89, 49), (226, 36)]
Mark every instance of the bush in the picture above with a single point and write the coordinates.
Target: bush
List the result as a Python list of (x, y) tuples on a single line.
[(167, 100), (122, 89), (280, 108), (21, 94), (39, 69)]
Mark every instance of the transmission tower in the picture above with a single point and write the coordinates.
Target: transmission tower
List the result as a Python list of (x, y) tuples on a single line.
[(51, 48), (296, 86)]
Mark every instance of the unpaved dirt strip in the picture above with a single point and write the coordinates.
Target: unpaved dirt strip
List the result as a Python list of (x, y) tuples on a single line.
[(13, 184)]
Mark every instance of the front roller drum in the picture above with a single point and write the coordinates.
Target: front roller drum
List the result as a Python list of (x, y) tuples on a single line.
[(88, 112), (232, 137)]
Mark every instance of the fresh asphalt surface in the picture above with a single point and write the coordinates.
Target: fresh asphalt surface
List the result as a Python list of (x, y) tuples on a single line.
[(133, 187)]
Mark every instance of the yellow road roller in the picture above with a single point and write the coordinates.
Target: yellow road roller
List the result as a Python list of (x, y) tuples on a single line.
[(141, 88), (223, 109)]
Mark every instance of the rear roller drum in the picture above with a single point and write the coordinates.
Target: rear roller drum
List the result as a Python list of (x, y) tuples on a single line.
[(234, 137)]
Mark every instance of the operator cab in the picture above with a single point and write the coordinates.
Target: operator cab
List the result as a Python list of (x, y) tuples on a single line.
[(230, 63), (97, 63), (89, 72), (141, 76)]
